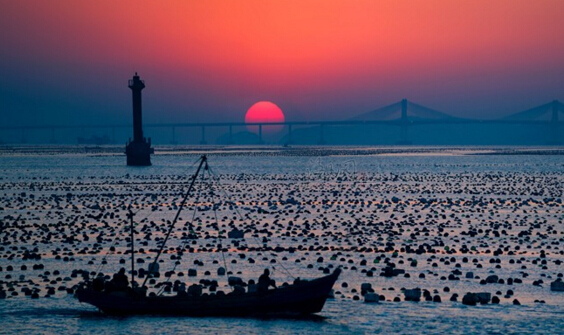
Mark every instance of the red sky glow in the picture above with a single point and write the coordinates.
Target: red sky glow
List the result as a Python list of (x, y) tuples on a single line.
[(318, 60)]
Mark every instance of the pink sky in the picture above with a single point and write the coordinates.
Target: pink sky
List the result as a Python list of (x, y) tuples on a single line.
[(211, 60)]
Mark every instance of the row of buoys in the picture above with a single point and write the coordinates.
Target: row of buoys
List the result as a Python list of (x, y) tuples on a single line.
[(447, 216)]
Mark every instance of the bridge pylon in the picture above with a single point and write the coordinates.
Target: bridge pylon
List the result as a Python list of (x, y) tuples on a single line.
[(554, 126), (404, 124)]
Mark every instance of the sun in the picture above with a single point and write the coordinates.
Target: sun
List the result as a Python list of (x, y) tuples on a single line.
[(264, 111)]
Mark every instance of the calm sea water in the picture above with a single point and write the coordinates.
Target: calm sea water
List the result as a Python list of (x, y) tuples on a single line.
[(83, 174), (66, 316)]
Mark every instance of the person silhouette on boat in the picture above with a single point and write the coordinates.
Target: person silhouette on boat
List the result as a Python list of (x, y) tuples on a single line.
[(264, 281), (98, 284), (119, 281)]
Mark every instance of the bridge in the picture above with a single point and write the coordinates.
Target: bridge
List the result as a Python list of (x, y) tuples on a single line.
[(403, 115)]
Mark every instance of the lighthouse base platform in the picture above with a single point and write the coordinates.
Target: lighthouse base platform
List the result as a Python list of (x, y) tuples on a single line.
[(139, 153)]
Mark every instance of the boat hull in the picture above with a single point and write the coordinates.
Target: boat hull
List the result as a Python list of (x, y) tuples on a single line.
[(307, 297)]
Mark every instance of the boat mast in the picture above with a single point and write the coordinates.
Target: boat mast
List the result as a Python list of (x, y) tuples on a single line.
[(132, 248), (203, 160)]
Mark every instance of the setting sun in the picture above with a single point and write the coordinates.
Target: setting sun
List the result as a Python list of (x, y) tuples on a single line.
[(264, 111)]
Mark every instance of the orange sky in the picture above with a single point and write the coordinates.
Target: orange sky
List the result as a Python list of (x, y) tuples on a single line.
[(315, 59)]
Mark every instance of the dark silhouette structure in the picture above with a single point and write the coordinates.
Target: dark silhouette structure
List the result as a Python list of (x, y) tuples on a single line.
[(403, 122), (547, 113), (139, 150), (264, 281)]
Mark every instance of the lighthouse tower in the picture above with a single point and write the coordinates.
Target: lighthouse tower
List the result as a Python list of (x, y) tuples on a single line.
[(139, 150)]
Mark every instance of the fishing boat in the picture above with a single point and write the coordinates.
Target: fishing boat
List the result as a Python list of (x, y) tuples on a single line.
[(302, 297)]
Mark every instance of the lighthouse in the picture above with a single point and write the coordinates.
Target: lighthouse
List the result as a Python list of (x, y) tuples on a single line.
[(139, 149)]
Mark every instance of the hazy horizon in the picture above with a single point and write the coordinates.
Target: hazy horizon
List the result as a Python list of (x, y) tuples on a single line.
[(66, 63)]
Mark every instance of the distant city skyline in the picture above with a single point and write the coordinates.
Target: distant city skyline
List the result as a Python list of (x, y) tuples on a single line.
[(67, 63)]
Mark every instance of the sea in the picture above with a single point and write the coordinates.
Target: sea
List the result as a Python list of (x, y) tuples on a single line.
[(451, 220)]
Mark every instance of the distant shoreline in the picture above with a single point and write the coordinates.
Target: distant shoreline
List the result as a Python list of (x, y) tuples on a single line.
[(265, 150)]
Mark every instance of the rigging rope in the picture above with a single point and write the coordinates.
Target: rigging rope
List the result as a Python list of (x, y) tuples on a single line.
[(124, 227), (185, 241), (183, 245), (203, 160), (114, 242), (219, 243), (243, 219)]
